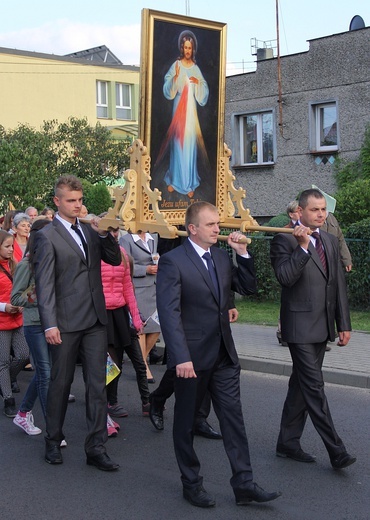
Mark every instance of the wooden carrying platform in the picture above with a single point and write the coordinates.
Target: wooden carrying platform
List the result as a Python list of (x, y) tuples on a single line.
[(137, 205)]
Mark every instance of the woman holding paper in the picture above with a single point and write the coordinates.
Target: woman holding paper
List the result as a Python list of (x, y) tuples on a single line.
[(142, 247)]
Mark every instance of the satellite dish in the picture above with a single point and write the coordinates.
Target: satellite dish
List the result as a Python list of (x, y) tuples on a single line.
[(356, 23)]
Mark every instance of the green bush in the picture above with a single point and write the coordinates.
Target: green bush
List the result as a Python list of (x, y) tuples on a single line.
[(353, 202), (358, 280), (347, 173), (358, 241), (97, 198), (280, 220), (268, 288)]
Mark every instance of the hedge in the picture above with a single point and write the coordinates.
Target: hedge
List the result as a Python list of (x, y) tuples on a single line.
[(358, 280)]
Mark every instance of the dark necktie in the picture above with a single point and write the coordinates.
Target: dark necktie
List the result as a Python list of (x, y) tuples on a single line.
[(320, 249), (83, 241), (212, 272)]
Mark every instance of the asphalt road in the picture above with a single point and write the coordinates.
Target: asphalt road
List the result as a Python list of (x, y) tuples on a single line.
[(148, 487)]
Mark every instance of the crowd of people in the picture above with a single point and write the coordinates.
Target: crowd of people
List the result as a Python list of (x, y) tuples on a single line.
[(51, 262)]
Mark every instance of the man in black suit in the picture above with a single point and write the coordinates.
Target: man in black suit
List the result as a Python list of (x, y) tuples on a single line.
[(307, 264), (72, 309), (193, 303)]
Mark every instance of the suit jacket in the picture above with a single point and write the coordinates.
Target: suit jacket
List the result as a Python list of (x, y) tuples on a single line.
[(69, 289), (193, 321), (142, 258), (311, 302)]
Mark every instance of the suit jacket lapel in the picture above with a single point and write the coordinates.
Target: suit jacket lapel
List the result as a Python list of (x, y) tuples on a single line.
[(61, 230), (143, 248), (199, 264)]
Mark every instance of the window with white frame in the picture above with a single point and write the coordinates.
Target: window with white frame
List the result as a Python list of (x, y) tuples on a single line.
[(324, 127), (256, 138), (123, 101), (102, 99)]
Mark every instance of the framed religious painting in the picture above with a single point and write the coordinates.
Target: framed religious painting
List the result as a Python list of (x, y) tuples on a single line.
[(183, 63)]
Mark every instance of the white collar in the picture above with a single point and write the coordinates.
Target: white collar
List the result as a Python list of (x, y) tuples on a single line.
[(136, 237), (199, 249)]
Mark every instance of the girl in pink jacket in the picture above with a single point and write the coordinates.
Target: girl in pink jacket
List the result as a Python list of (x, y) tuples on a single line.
[(124, 323)]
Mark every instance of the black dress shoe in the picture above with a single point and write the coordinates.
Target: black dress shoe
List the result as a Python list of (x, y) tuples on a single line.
[(156, 414), (101, 461), (298, 454), (199, 497), (53, 454), (253, 493), (342, 461), (203, 429)]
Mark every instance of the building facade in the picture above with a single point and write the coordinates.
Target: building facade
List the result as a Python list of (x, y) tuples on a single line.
[(38, 87), (285, 136)]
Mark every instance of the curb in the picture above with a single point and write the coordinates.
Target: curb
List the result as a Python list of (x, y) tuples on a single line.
[(280, 368)]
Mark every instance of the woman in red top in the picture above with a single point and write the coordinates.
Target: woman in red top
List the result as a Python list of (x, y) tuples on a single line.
[(12, 339)]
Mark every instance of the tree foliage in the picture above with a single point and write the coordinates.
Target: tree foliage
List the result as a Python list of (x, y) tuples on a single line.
[(353, 180), (358, 169), (353, 203), (31, 160), (26, 159), (97, 198)]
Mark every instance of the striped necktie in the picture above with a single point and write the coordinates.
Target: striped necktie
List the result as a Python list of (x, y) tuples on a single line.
[(320, 249)]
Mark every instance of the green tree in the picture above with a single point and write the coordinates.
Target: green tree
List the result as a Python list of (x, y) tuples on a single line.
[(97, 198), (353, 180), (355, 170), (31, 160), (353, 202), (26, 160), (89, 152)]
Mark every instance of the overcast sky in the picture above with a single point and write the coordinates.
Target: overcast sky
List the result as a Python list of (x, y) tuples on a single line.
[(73, 25)]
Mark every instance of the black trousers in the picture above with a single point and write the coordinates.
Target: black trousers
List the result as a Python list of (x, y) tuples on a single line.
[(306, 396), (223, 383), (134, 353), (122, 338), (167, 387), (91, 346)]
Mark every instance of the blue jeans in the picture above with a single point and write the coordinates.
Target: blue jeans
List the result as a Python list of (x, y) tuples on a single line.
[(39, 385)]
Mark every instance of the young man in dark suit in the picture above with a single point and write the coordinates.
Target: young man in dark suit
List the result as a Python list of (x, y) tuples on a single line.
[(193, 295), (71, 303), (313, 299)]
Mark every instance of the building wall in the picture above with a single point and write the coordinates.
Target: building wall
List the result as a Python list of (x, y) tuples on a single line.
[(335, 68), (39, 87)]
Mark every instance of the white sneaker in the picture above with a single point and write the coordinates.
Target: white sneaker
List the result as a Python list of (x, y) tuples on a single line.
[(26, 423), (63, 443)]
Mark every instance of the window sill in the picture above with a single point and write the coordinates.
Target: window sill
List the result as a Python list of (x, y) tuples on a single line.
[(324, 152), (253, 166)]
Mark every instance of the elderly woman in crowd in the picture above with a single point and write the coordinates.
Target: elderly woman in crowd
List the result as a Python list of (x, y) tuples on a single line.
[(21, 231)]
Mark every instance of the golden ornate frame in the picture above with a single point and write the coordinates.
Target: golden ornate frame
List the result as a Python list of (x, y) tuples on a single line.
[(139, 205), (160, 33)]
